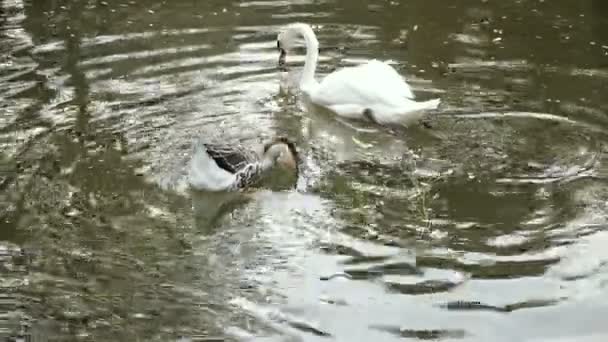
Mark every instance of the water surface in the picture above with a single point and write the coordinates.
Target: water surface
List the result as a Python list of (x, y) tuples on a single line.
[(487, 226)]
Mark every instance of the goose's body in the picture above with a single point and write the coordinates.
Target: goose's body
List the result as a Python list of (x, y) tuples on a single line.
[(216, 167), (372, 91)]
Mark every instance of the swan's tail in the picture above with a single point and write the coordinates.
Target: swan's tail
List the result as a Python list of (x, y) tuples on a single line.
[(413, 111), (430, 104)]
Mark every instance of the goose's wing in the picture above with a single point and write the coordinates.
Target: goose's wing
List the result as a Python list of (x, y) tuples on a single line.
[(231, 158), (370, 83)]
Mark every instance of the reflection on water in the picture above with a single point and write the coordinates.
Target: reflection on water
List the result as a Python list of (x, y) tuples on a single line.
[(490, 225)]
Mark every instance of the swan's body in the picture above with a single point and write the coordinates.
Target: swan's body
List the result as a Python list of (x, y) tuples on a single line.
[(373, 91), (217, 168)]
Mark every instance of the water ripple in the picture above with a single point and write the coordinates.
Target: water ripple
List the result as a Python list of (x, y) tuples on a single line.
[(495, 209)]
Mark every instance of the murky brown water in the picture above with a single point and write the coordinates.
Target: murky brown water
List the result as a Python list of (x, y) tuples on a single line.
[(489, 226)]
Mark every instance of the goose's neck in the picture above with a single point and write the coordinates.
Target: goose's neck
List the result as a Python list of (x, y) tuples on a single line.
[(312, 55), (271, 155)]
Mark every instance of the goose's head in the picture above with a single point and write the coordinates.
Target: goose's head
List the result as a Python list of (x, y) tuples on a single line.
[(283, 151)]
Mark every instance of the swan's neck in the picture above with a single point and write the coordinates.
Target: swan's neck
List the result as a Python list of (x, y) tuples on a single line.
[(312, 55)]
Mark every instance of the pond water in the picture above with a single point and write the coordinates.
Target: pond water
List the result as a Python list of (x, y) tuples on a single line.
[(488, 224)]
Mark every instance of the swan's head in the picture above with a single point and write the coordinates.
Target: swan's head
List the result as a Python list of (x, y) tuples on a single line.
[(282, 53), (285, 41), (285, 153), (292, 35)]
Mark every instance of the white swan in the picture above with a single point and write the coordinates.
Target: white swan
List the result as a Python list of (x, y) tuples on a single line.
[(373, 91)]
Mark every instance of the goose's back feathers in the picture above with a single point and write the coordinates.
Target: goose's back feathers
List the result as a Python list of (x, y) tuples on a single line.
[(231, 158)]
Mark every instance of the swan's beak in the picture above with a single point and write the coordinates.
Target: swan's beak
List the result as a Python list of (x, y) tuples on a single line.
[(282, 57)]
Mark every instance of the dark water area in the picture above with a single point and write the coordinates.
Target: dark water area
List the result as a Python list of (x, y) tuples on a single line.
[(488, 226)]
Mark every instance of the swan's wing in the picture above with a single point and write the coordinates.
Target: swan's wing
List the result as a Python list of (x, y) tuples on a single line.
[(351, 111), (389, 76), (371, 83)]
